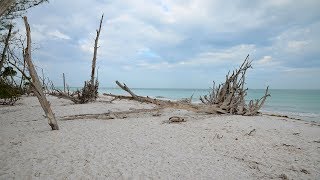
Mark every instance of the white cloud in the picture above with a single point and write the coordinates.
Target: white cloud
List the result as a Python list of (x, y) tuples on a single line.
[(59, 35), (41, 33), (297, 45), (264, 60), (184, 34), (127, 68), (296, 40), (232, 56), (86, 46)]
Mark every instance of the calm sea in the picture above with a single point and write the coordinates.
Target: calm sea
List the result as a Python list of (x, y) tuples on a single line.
[(303, 104)]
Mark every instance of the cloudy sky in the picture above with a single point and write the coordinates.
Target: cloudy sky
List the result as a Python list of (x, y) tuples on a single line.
[(179, 43)]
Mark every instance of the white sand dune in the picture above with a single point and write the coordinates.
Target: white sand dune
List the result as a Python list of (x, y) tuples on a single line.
[(143, 147)]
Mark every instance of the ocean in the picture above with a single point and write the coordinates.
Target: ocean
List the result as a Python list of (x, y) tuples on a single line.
[(302, 104)]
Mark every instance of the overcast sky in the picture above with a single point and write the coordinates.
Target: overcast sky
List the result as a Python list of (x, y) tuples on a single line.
[(179, 43)]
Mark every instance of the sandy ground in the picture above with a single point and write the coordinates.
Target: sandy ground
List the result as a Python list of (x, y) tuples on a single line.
[(143, 146)]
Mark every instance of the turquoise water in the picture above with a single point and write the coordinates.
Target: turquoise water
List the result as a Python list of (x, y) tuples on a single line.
[(303, 104)]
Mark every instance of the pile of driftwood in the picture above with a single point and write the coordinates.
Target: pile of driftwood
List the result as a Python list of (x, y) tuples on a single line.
[(230, 96), (226, 98)]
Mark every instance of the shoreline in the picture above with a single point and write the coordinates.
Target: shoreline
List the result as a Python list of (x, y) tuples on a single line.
[(143, 145)]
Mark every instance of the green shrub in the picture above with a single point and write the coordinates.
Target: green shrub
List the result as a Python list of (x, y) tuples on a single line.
[(9, 94)]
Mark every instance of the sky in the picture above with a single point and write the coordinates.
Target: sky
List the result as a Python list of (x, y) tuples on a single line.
[(179, 43)]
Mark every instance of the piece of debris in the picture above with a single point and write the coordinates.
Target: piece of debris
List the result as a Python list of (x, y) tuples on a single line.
[(176, 119), (305, 171), (218, 136), (287, 145), (283, 176), (296, 133), (157, 114), (250, 133), (278, 115)]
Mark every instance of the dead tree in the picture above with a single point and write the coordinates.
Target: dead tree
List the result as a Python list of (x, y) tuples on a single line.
[(227, 98), (230, 95), (6, 45), (64, 83), (166, 103), (94, 59), (89, 92), (35, 83)]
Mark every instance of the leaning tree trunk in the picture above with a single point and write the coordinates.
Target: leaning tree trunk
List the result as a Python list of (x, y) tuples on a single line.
[(6, 45), (36, 83)]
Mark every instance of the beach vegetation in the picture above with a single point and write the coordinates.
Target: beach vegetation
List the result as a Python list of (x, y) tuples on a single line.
[(9, 93)]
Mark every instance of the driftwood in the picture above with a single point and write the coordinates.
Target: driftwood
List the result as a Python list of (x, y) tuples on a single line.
[(89, 92), (230, 95), (94, 59), (176, 119), (64, 82), (35, 83), (227, 98), (6, 45), (166, 103), (111, 115)]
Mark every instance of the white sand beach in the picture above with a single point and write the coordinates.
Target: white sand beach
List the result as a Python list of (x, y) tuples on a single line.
[(144, 146)]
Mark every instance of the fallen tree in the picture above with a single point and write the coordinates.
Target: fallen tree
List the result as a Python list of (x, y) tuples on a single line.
[(226, 98)]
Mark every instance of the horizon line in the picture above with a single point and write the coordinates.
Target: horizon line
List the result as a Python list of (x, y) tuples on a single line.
[(189, 88)]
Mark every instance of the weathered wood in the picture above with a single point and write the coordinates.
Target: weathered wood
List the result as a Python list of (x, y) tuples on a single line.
[(229, 96), (6, 45), (168, 103), (36, 83), (119, 96), (111, 115), (64, 83), (23, 69), (125, 88), (94, 59), (259, 103), (4, 6)]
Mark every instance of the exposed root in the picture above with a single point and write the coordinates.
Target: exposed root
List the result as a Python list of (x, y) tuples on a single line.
[(230, 95)]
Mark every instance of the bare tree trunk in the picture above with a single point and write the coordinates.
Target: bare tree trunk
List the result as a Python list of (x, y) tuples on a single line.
[(166, 103), (94, 59), (24, 67), (6, 45), (64, 83), (36, 83), (4, 5), (43, 83)]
